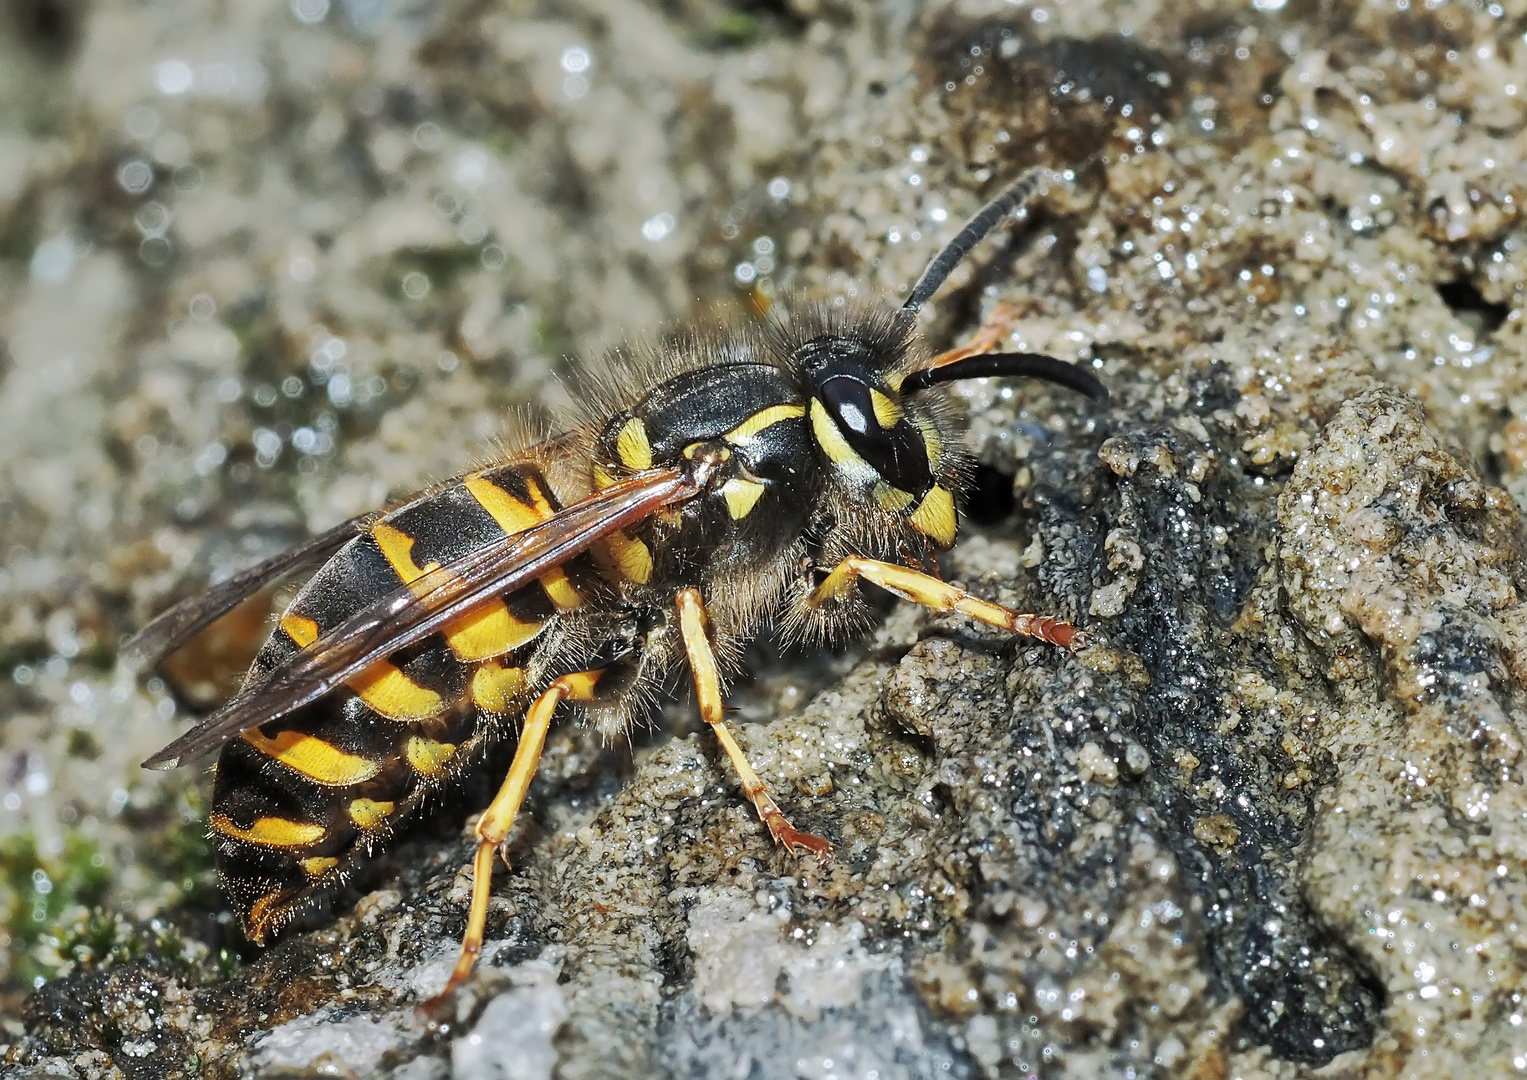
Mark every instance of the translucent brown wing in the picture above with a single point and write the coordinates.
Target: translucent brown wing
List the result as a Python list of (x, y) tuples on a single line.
[(416, 610), (173, 628)]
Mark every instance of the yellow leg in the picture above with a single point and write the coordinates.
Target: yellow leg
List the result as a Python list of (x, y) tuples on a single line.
[(496, 821), (702, 662), (929, 591)]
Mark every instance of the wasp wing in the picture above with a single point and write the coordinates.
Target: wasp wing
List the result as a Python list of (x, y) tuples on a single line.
[(413, 612), (173, 628)]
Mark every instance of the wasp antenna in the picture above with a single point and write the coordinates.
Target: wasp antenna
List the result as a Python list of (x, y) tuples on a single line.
[(1015, 195), (999, 365)]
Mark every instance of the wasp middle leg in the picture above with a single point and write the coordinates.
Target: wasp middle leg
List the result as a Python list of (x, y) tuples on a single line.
[(702, 662), (939, 595), (496, 821)]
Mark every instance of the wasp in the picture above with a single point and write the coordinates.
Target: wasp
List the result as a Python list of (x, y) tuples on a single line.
[(707, 488)]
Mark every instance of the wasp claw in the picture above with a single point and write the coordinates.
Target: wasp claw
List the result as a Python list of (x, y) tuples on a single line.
[(797, 842)]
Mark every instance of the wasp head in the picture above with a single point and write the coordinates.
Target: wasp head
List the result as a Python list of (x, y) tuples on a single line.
[(889, 433), (878, 441)]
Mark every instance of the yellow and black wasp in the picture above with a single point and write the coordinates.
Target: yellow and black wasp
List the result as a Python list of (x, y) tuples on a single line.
[(711, 487)]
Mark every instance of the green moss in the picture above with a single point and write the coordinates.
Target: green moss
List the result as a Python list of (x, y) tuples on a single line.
[(99, 656), (738, 29), (35, 891), (500, 140), (81, 744), (551, 338), (180, 851), (442, 265), (95, 938)]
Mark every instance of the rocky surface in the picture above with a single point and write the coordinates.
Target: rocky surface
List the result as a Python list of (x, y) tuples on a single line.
[(264, 264)]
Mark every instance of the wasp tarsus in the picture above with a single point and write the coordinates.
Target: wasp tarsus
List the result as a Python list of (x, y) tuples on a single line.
[(705, 491)]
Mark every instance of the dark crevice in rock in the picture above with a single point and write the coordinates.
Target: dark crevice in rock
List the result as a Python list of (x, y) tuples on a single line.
[(1464, 297), (1201, 527), (989, 499)]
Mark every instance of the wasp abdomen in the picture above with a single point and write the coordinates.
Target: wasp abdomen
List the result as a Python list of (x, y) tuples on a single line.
[(298, 800)]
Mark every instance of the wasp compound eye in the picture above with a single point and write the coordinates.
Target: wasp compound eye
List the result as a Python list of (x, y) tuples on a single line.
[(872, 424)]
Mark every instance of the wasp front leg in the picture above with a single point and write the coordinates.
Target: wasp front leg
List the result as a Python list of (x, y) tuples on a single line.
[(986, 339), (939, 595), (702, 662)]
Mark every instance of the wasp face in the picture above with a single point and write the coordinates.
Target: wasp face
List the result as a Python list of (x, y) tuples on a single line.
[(888, 447), (877, 430)]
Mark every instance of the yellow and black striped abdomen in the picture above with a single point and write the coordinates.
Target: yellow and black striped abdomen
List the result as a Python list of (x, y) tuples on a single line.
[(299, 800)]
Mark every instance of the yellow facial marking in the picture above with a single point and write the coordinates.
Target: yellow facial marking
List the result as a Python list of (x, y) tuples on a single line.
[(832, 442), (494, 688), (741, 496), (394, 694), (270, 831), (426, 756), (632, 446), (602, 478), (935, 517), (369, 813), (886, 410), (313, 758), (632, 557), (891, 498), (299, 628), (934, 444), (317, 867), (560, 590), (512, 515), (764, 418), (488, 632)]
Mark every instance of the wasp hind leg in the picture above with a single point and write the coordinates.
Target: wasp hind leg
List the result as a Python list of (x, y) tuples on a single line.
[(939, 595), (498, 819), (702, 662)]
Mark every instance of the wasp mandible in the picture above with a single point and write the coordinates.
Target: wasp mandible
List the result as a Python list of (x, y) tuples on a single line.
[(708, 488)]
